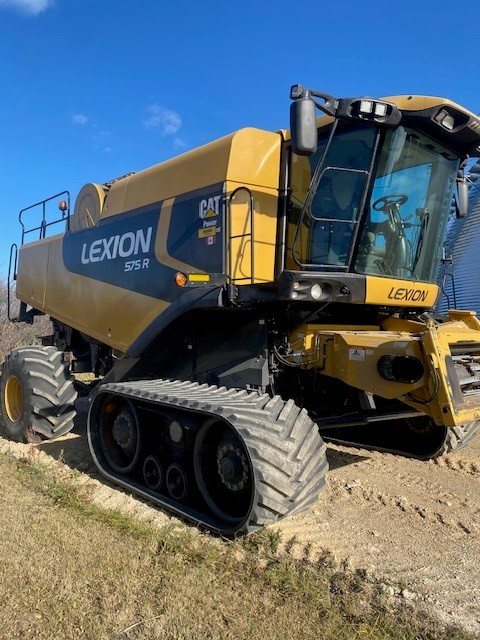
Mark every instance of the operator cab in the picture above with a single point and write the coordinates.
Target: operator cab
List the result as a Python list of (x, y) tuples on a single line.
[(378, 205), (370, 193)]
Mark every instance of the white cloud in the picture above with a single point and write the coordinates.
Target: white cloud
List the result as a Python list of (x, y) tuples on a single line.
[(30, 7), (101, 141), (78, 118), (159, 117), (179, 144)]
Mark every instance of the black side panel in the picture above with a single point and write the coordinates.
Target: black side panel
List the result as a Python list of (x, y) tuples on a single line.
[(232, 352), (195, 298), (218, 346)]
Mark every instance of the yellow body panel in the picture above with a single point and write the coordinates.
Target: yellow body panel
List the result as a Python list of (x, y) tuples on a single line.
[(248, 162), (33, 259), (255, 164), (352, 356), (187, 172), (402, 293), (262, 223)]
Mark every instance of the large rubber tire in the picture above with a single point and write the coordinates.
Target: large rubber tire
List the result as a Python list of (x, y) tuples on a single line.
[(37, 396)]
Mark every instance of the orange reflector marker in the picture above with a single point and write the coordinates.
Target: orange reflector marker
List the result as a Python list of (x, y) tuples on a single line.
[(180, 279), (62, 205)]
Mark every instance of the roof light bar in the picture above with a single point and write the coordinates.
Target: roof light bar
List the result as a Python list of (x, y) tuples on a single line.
[(377, 110)]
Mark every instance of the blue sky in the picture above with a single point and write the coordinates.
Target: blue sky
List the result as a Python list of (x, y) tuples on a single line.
[(93, 89)]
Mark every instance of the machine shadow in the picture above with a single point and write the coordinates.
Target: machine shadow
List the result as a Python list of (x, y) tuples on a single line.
[(73, 449), (338, 459)]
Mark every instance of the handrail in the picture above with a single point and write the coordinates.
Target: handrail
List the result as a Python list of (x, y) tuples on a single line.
[(249, 234), (44, 223), (13, 248)]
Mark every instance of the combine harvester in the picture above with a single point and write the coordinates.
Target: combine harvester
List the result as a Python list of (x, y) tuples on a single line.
[(244, 299)]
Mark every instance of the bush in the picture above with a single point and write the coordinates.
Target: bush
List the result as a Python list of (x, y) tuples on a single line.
[(17, 334)]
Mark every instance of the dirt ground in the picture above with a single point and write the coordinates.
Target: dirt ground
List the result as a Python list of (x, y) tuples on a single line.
[(405, 521), (415, 525)]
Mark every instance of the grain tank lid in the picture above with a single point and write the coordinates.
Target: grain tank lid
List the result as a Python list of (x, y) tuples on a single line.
[(88, 206), (185, 173)]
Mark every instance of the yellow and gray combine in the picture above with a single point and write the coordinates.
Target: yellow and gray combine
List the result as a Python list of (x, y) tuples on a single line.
[(245, 299)]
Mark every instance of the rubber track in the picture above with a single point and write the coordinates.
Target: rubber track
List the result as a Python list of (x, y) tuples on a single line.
[(455, 439), (458, 437), (288, 455)]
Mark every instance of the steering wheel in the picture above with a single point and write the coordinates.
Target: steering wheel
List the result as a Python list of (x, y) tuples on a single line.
[(393, 198)]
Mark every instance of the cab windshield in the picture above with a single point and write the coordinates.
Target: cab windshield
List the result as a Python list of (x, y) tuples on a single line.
[(372, 202)]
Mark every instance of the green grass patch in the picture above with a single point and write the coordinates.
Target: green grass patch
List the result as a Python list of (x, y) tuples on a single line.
[(70, 569)]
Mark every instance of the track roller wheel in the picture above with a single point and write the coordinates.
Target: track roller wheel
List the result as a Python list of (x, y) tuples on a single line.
[(152, 473), (176, 481), (37, 395), (422, 438)]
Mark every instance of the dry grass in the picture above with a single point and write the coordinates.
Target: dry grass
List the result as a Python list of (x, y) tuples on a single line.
[(70, 570), (16, 334)]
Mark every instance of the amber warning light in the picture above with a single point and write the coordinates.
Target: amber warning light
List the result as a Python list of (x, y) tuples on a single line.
[(181, 279)]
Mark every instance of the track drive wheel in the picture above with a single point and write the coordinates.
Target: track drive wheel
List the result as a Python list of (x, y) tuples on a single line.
[(119, 436), (252, 474), (37, 395)]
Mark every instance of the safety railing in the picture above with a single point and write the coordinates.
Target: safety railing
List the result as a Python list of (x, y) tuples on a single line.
[(240, 234), (47, 219)]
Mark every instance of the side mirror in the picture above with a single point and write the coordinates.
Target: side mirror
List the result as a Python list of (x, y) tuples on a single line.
[(461, 196), (303, 125)]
